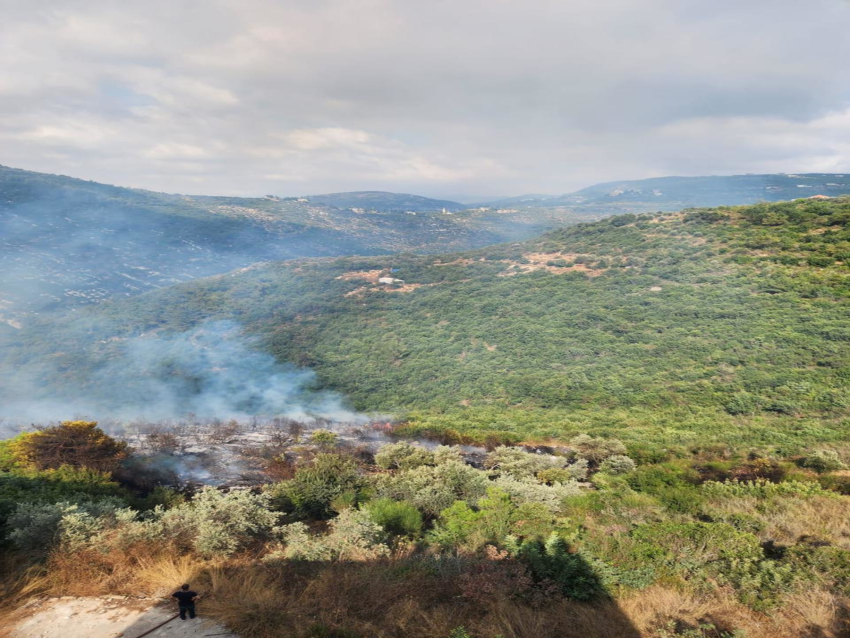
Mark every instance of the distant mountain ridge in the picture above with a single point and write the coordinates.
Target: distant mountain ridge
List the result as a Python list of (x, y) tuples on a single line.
[(384, 201), (669, 193)]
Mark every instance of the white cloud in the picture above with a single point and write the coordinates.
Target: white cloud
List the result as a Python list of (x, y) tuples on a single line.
[(305, 96)]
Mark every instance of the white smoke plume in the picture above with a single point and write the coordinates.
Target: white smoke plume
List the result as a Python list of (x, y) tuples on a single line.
[(211, 371)]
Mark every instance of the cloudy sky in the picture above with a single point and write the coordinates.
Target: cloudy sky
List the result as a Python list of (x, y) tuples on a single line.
[(439, 97)]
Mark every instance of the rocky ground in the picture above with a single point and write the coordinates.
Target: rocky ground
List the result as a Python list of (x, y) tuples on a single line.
[(106, 617)]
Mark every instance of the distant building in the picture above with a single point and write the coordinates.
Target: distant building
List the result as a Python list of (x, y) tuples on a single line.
[(390, 280)]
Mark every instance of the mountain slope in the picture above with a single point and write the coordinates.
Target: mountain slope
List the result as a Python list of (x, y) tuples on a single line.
[(729, 314), (65, 243)]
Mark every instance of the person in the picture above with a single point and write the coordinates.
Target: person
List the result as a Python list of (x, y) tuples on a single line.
[(185, 601)]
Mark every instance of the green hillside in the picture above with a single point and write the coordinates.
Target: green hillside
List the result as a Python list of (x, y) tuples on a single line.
[(725, 324)]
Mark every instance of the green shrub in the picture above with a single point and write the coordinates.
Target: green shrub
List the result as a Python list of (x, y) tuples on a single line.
[(38, 527), (433, 489), (823, 461), (574, 472), (402, 456), (762, 489), (530, 491), (532, 521), (216, 523), (519, 463), (596, 450), (353, 536), (455, 526), (617, 464), (324, 438), (827, 564), (551, 561), (398, 518), (313, 489), (718, 550)]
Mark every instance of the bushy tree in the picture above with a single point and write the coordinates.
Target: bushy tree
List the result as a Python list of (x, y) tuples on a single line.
[(313, 489), (73, 443), (573, 472), (217, 523)]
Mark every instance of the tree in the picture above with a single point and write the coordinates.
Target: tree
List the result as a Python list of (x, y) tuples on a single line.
[(72, 443)]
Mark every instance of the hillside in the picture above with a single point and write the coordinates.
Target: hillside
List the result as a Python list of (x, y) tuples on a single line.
[(67, 243), (661, 403), (659, 324)]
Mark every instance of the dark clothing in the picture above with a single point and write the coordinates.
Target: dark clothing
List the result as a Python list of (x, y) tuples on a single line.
[(190, 607), (184, 596), (185, 602)]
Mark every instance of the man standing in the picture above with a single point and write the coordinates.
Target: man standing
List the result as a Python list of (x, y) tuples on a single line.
[(185, 601)]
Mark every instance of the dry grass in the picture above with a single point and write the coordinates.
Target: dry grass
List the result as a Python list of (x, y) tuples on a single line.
[(407, 598), (814, 613), (786, 520)]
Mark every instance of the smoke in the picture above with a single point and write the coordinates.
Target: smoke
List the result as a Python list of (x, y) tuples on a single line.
[(211, 371)]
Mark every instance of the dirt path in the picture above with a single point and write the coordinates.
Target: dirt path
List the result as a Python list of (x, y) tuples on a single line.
[(106, 617)]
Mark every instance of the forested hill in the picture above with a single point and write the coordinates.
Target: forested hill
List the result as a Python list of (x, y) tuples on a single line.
[(66, 243), (727, 322)]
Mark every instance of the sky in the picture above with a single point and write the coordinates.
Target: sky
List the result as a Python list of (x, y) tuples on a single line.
[(447, 98)]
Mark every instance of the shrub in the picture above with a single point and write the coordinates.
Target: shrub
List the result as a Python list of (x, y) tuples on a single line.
[(72, 443), (38, 527), (399, 518), (447, 454), (455, 526), (517, 462), (532, 521), (719, 551), (596, 450), (574, 472), (433, 489), (324, 438), (217, 523), (530, 491), (617, 464), (829, 564), (820, 261), (763, 489), (353, 536), (551, 561), (823, 461), (312, 490), (402, 456)]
